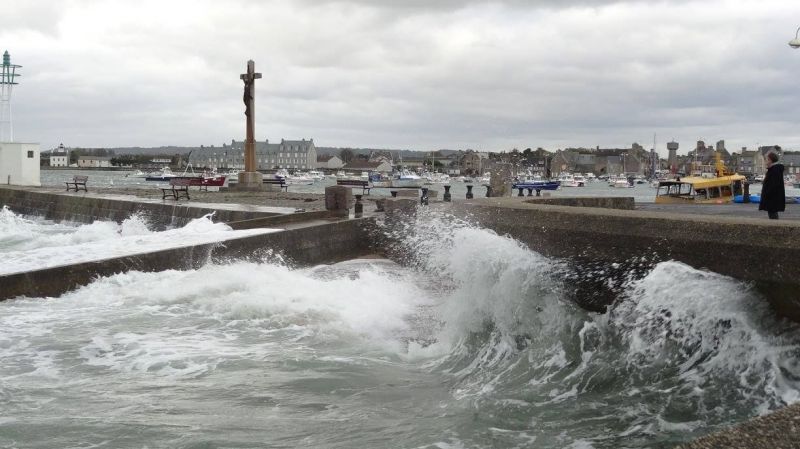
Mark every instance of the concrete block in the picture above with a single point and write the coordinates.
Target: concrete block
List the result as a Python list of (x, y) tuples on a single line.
[(338, 200)]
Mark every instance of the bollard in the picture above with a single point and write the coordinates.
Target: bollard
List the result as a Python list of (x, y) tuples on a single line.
[(538, 192), (394, 193), (358, 208), (379, 205), (446, 196), (469, 193), (488, 191), (423, 199), (520, 191), (530, 191), (746, 196)]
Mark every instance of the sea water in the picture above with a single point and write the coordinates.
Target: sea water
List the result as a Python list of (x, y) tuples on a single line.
[(471, 343), (31, 243)]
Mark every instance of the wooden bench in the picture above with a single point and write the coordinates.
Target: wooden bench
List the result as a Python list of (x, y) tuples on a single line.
[(355, 183), (77, 182), (280, 182), (177, 187)]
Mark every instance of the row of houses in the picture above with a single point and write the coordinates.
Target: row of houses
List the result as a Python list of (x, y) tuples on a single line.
[(302, 155), (59, 157)]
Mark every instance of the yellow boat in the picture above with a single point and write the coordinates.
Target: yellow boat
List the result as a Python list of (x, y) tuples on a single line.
[(717, 187)]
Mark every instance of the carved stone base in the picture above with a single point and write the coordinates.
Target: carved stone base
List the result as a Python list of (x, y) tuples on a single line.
[(250, 181)]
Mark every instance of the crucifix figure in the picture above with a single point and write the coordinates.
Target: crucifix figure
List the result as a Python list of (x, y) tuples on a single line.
[(249, 111)]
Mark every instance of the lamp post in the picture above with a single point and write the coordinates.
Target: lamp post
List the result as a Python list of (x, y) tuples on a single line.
[(795, 43)]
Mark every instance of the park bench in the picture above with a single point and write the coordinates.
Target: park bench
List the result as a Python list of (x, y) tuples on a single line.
[(280, 182), (355, 183), (177, 187), (77, 182)]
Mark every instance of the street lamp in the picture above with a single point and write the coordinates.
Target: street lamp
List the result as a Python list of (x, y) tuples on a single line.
[(795, 43)]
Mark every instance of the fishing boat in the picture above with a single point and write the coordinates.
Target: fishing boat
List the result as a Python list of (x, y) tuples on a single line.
[(703, 187), (570, 180), (164, 175), (536, 185), (405, 178)]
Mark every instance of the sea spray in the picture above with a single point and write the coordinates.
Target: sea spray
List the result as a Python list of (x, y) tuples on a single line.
[(473, 343), (681, 350), (31, 244)]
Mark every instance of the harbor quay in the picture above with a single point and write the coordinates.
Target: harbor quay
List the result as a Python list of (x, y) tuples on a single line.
[(602, 242)]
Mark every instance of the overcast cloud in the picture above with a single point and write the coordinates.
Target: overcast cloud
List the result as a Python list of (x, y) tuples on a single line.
[(420, 74)]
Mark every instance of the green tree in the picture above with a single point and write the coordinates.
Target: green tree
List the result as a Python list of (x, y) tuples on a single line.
[(346, 155)]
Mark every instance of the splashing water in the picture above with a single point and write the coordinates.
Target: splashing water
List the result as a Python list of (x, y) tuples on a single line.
[(472, 345), (30, 244)]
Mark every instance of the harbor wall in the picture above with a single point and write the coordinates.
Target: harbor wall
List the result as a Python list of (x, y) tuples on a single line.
[(303, 244), (85, 208), (607, 246)]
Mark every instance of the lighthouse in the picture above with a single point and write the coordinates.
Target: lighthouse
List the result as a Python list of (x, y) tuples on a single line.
[(19, 162)]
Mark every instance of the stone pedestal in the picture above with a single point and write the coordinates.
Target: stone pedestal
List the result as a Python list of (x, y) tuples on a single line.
[(250, 181), (338, 200), (500, 181)]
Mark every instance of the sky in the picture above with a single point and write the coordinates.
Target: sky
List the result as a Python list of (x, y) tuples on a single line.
[(413, 74)]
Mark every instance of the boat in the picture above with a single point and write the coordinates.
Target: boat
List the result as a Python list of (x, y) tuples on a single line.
[(164, 175), (136, 174), (316, 175), (300, 179), (570, 180), (718, 187), (536, 185), (620, 182), (405, 178)]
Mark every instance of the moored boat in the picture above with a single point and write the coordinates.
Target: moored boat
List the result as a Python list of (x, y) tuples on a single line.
[(709, 188)]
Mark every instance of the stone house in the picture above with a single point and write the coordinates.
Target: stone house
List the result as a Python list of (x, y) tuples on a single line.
[(289, 154), (93, 161), (329, 162)]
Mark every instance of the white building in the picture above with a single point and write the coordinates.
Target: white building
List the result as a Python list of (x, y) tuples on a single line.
[(59, 157), (19, 164), (93, 161), (329, 162)]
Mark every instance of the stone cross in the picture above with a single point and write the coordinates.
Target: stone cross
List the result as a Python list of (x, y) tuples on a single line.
[(249, 111)]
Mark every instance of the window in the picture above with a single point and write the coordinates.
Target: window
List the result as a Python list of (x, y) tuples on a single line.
[(30, 154), (713, 192)]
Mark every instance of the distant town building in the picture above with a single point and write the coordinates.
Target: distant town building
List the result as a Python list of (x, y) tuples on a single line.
[(93, 161), (165, 161), (672, 156), (601, 161), (471, 163), (361, 165), (289, 154), (59, 156), (791, 164), (329, 162)]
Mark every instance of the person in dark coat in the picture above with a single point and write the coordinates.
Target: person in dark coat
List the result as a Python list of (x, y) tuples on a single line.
[(773, 194)]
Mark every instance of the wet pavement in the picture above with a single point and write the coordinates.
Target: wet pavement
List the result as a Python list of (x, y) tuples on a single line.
[(725, 210)]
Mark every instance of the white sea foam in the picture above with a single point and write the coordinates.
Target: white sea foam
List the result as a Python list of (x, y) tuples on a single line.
[(29, 244)]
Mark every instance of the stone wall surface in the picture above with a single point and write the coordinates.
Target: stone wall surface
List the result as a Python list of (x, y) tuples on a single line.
[(302, 244), (85, 208), (606, 245)]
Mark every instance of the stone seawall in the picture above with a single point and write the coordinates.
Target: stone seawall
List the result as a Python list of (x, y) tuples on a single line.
[(302, 244), (607, 245), (85, 208)]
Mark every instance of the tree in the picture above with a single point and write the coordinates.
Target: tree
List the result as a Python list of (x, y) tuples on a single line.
[(346, 155)]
